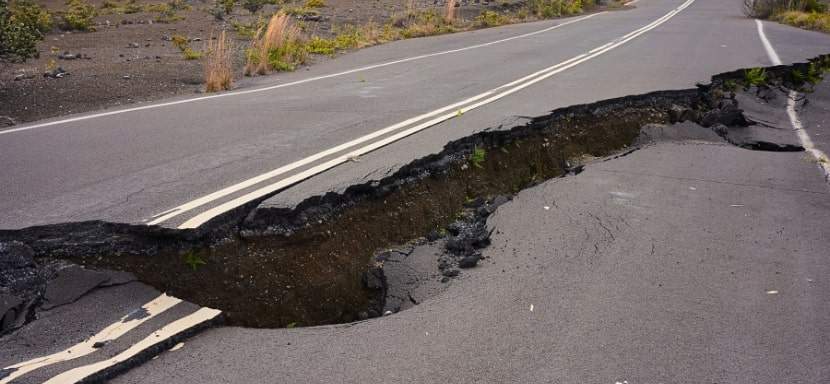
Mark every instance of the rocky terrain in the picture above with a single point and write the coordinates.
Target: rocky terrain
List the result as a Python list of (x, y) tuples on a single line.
[(132, 57)]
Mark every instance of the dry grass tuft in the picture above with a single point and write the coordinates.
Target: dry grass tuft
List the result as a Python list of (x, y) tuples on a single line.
[(219, 64), (449, 14), (273, 37)]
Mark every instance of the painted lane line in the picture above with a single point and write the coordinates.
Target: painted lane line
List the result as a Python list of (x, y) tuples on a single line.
[(773, 56), (281, 184), (821, 158), (298, 82), (111, 332), (195, 319), (169, 214), (806, 142)]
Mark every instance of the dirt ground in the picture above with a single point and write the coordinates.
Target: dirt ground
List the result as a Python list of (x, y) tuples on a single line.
[(130, 58)]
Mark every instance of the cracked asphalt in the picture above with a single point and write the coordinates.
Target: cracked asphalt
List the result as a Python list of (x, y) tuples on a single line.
[(689, 260), (686, 261)]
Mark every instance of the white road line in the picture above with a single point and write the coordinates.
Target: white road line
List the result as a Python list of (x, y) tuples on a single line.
[(298, 82), (196, 318), (516, 86), (112, 332), (169, 214), (806, 142), (773, 56), (821, 158)]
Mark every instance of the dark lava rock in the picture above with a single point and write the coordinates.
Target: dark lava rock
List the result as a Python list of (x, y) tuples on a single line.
[(56, 73), (450, 272), (458, 245), (469, 261), (433, 235), (499, 201), (15, 254), (374, 278), (10, 310), (70, 284)]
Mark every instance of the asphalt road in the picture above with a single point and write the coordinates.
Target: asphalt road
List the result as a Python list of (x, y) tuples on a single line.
[(687, 261), (135, 165)]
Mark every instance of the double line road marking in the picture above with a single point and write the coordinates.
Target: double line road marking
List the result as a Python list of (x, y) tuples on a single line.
[(435, 117)]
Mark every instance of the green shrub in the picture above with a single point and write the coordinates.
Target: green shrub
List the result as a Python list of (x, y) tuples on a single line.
[(321, 46), (491, 19), (133, 7), (17, 40), (31, 14), (286, 57), (315, 3), (79, 15), (554, 8)]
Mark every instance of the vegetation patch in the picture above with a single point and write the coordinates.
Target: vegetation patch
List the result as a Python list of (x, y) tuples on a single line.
[(807, 14)]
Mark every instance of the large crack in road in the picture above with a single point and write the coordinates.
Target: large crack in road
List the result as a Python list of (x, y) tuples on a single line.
[(322, 262)]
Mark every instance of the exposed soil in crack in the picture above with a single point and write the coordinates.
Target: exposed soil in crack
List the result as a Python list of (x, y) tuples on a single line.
[(322, 261)]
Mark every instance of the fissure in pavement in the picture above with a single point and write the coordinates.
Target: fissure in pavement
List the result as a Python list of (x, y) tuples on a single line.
[(322, 261)]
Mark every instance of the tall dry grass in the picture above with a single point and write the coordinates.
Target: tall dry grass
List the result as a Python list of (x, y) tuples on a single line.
[(277, 34), (219, 64), (449, 13)]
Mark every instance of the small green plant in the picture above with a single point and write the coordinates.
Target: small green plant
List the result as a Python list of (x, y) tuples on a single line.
[(180, 42), (755, 77), (292, 324), (302, 11), (254, 6), (191, 54), (730, 85), (315, 3), (227, 5), (477, 157), (133, 7), (491, 19), (247, 31), (79, 15), (321, 46), (193, 260)]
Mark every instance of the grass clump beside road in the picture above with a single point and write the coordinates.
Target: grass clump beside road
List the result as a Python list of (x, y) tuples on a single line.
[(807, 14), (280, 45), (219, 64), (276, 46)]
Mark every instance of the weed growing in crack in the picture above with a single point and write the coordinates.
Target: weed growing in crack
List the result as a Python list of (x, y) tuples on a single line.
[(755, 77), (193, 260), (477, 157)]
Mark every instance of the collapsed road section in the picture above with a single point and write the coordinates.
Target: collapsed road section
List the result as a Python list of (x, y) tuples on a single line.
[(322, 262)]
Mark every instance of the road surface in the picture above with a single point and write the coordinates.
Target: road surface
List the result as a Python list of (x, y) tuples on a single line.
[(686, 261), (169, 164)]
